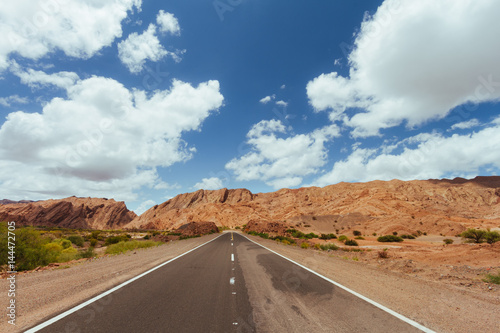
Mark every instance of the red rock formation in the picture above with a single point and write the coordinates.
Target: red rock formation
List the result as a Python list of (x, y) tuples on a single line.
[(197, 229), (433, 206), (78, 213)]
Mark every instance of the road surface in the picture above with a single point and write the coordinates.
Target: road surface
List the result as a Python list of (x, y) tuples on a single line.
[(229, 285)]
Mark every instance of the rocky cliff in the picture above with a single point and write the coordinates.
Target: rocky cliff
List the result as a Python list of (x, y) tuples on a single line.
[(84, 213), (433, 206)]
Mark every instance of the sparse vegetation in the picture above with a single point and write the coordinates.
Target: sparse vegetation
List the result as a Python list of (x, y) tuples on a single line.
[(448, 241), (356, 233), (327, 236), (77, 240), (479, 236), (304, 245), (116, 239), (359, 237), (351, 242), (408, 236), (125, 246), (328, 247), (383, 254), (389, 239), (343, 238), (492, 278)]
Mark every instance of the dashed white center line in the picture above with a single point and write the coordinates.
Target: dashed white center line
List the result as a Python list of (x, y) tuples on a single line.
[(231, 244), (232, 256), (231, 281)]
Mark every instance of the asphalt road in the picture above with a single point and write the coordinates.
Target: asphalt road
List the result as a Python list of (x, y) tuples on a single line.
[(230, 285)]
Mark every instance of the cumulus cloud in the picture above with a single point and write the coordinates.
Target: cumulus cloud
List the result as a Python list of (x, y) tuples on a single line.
[(35, 28), (136, 49), (282, 103), (168, 23), (425, 156), (101, 139), (14, 99), (281, 162), (39, 79), (267, 99), (213, 183), (414, 61)]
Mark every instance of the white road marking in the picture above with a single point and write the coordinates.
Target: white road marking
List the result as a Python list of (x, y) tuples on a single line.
[(231, 281), (231, 244), (232, 257), (380, 306), (106, 293), (234, 293)]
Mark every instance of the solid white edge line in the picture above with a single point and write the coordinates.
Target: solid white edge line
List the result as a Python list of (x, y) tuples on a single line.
[(106, 293), (380, 306)]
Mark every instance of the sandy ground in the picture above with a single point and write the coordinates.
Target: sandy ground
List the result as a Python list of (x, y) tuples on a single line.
[(446, 295)]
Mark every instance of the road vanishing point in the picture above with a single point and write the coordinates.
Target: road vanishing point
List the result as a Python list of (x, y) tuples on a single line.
[(229, 284)]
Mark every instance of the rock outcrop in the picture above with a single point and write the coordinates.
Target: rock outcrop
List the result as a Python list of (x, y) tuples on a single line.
[(197, 229), (432, 206), (77, 213)]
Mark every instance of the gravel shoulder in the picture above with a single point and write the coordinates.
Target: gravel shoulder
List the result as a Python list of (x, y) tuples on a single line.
[(42, 294), (434, 304)]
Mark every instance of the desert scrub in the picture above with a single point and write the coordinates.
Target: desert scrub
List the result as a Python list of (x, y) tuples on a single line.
[(76, 239), (304, 245), (343, 238), (492, 278), (328, 247), (124, 246), (389, 239), (360, 238), (407, 236), (327, 236), (383, 254), (356, 233), (116, 239), (351, 242), (448, 241)]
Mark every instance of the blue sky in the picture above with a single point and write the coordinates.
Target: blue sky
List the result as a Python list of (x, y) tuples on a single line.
[(143, 100)]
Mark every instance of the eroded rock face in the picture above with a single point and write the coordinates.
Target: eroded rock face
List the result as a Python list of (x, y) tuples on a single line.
[(84, 213), (435, 206), (197, 229)]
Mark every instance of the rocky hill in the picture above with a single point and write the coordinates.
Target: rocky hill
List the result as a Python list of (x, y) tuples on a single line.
[(432, 206), (84, 213)]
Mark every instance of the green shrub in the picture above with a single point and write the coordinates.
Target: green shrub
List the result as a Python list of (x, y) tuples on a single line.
[(374, 234), (448, 241), (492, 237), (283, 239), (389, 238), (115, 239), (30, 250), (260, 234), (407, 236), (356, 233), (88, 253), (475, 235), (124, 246), (395, 233), (304, 245), (76, 239), (65, 243), (383, 254), (67, 255), (351, 242), (328, 247), (359, 237), (327, 236), (492, 278), (146, 237), (343, 238)]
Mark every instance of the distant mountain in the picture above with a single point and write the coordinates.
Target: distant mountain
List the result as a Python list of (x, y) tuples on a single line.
[(433, 206), (7, 201), (73, 212)]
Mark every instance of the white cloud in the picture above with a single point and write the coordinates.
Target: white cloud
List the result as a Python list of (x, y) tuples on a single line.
[(168, 23), (414, 61), (466, 124), (281, 162), (267, 99), (38, 79), (144, 206), (435, 156), (213, 183), (101, 140), (136, 49), (35, 28), (283, 87), (282, 103), (14, 99)]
